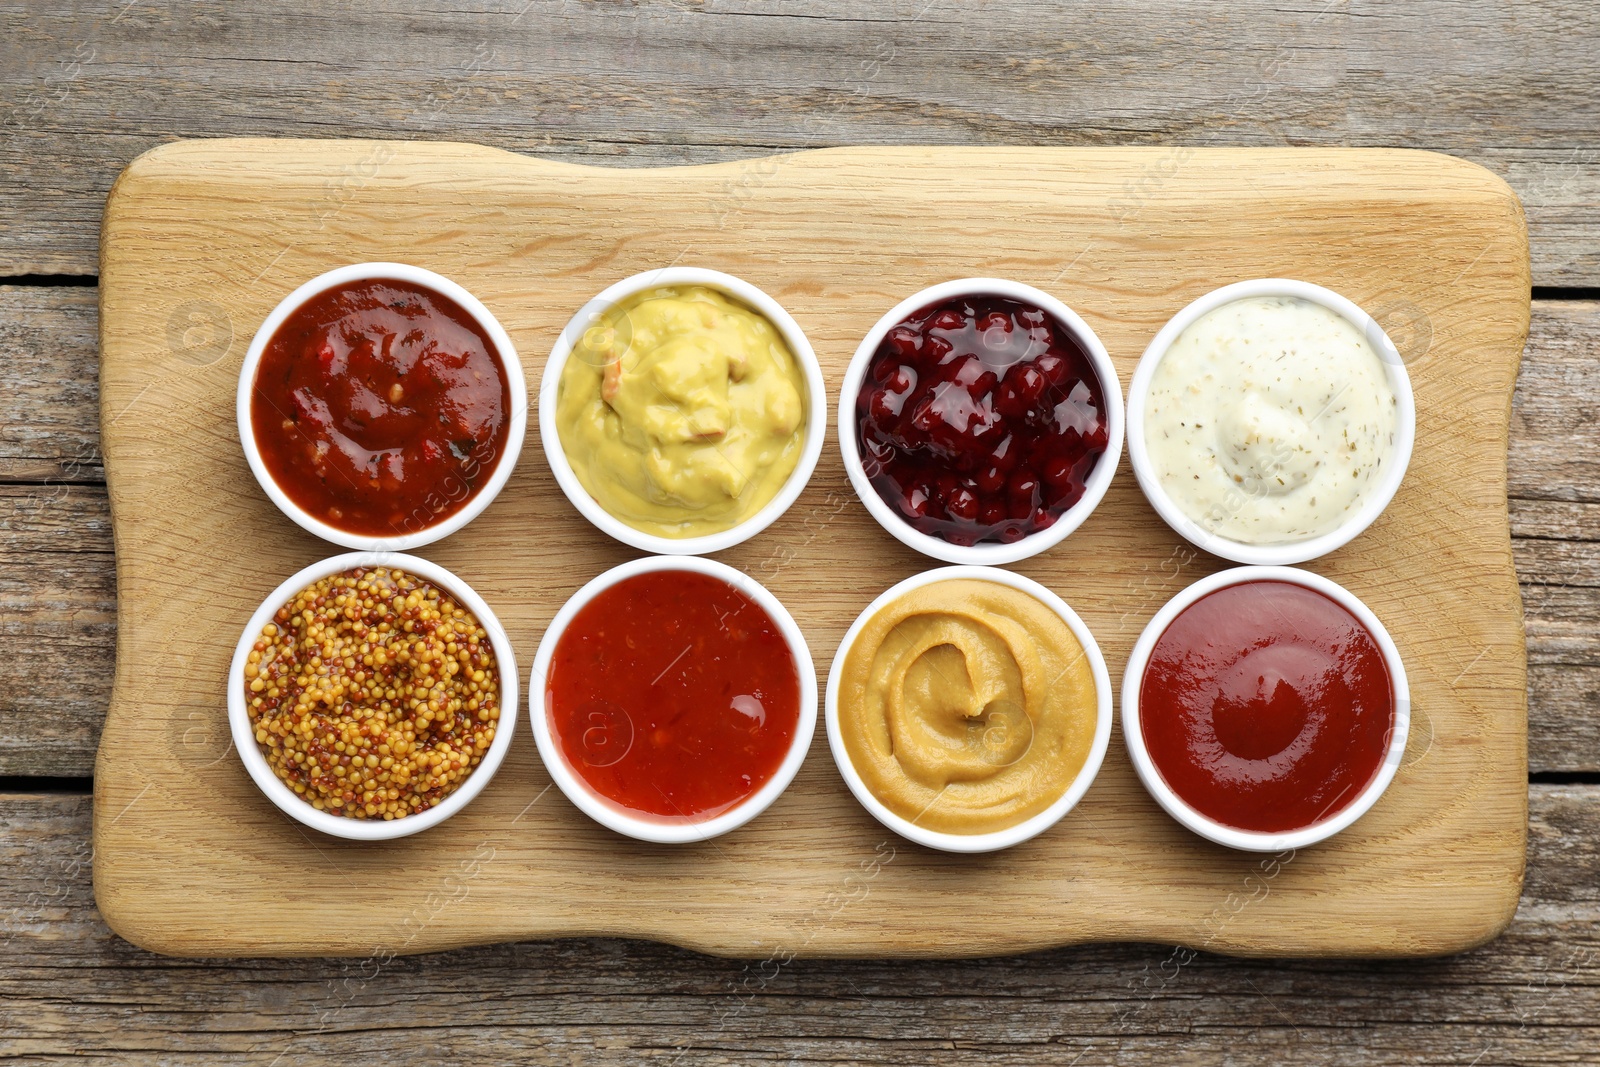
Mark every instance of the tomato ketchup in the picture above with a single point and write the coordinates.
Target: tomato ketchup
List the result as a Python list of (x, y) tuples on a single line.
[(1266, 706)]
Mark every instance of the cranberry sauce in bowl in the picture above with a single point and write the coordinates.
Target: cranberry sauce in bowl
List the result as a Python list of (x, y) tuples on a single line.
[(977, 419)]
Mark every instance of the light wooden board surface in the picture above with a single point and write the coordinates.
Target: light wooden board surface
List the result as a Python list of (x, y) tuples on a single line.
[(182, 838)]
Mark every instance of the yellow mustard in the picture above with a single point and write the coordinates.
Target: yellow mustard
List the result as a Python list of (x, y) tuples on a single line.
[(681, 411), (967, 706)]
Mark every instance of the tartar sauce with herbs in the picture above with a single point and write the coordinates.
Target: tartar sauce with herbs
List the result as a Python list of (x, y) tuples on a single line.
[(1269, 419)]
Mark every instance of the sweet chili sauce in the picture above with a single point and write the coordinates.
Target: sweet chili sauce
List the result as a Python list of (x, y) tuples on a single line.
[(674, 695)]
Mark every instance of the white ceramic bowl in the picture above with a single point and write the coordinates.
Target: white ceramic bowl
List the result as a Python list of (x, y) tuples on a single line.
[(981, 554), (1297, 551), (1254, 840), (742, 292), (1029, 828), (516, 386), (608, 812), (244, 735)]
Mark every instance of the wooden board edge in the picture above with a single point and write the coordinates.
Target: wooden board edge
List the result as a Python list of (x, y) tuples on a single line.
[(117, 907), (127, 919), (180, 156), (1498, 190), (138, 929)]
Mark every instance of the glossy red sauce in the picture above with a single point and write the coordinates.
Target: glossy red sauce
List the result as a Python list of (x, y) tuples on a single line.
[(1266, 706), (380, 407), (980, 420), (674, 695)]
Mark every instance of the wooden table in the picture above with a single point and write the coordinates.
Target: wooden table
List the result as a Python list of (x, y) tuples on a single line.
[(85, 89)]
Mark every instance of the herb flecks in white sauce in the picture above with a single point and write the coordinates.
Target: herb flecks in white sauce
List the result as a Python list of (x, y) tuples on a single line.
[(1269, 420)]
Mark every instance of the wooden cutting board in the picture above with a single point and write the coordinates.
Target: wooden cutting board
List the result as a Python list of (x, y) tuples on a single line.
[(203, 238)]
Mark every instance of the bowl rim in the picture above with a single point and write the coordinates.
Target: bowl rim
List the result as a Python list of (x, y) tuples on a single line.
[(296, 807), (511, 364), (1296, 551), (742, 292), (1031, 827), (609, 813), (1205, 826), (1095, 487)]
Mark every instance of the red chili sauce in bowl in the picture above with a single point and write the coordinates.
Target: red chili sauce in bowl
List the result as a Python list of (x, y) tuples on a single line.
[(980, 420), (673, 695), (1266, 706), (380, 407)]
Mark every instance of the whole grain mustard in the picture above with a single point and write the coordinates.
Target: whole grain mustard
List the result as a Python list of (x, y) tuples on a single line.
[(373, 693)]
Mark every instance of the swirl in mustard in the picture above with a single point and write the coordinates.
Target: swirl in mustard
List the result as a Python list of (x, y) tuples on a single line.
[(967, 706)]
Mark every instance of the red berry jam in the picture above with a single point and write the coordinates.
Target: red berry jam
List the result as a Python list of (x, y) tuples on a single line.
[(980, 420)]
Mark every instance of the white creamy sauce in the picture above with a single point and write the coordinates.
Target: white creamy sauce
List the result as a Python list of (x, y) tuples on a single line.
[(1269, 420)]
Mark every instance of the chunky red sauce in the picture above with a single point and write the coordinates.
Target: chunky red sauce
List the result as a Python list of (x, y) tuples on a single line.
[(674, 695), (980, 420), (1266, 706), (380, 407)]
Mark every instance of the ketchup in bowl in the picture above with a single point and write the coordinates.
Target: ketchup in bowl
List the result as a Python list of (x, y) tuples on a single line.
[(1266, 706), (380, 407), (980, 420)]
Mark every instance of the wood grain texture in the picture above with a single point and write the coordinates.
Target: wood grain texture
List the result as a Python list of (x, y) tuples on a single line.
[(62, 633), (87, 87), (1556, 415), (837, 237), (58, 625), (1509, 85), (71, 989), (49, 406)]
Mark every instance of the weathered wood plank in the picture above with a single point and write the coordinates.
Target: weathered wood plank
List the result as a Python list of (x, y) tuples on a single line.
[(1555, 525), (50, 399), (1563, 564), (1555, 520), (58, 623), (57, 592), (649, 82), (69, 987), (1555, 414), (1565, 697)]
